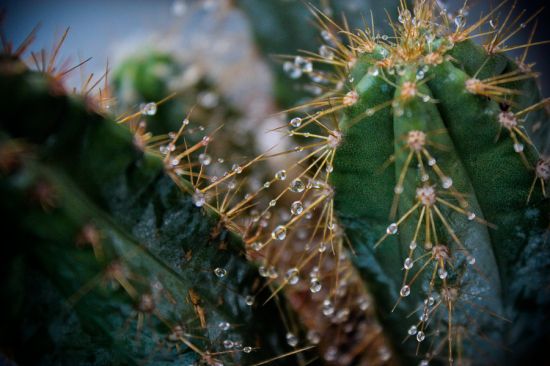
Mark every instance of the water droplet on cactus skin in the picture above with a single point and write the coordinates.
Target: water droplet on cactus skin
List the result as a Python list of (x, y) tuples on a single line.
[(220, 272), (291, 339)]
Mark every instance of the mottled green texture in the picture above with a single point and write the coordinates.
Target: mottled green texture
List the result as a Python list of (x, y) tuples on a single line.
[(489, 172), (166, 245)]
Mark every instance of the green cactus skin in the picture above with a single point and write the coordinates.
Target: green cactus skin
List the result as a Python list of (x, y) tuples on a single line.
[(66, 304), (505, 278)]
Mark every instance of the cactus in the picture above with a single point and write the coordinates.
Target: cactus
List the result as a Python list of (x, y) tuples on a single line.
[(434, 183), (420, 156), (406, 222), (110, 261)]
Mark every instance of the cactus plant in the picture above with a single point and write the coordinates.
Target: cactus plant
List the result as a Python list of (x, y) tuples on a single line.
[(407, 224), (110, 261), (422, 163)]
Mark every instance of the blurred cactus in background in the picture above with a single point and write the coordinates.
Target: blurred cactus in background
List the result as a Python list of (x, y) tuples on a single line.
[(394, 213)]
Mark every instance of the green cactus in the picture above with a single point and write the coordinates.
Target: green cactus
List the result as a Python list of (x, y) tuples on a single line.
[(461, 233), (419, 152), (109, 261)]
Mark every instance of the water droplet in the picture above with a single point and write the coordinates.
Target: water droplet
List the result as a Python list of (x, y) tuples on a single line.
[(398, 189), (442, 273), (370, 112), (326, 35), (237, 168), (431, 301), (273, 272), (228, 344), (314, 285), (363, 303), (322, 247), (459, 21), (249, 300), (291, 339), (280, 175), (426, 98), (224, 326), (329, 168), (272, 203), (303, 64), (199, 198), (291, 276), (331, 354), (425, 178), (326, 52), (328, 308), (408, 264), (412, 330), (279, 233), (432, 162), (313, 337), (247, 349), (296, 208), (392, 229), (412, 245), (424, 363), (471, 216), (518, 147), (297, 186), (404, 16), (149, 109), (292, 70), (267, 184), (263, 271), (420, 336), (446, 182), (220, 272), (205, 159), (405, 291), (295, 122), (471, 260), (205, 140)]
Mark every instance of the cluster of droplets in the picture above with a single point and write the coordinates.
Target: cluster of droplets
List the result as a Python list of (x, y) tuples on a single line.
[(230, 344), (299, 66)]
